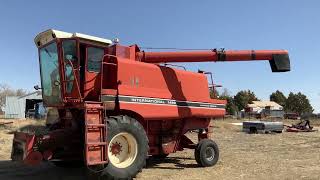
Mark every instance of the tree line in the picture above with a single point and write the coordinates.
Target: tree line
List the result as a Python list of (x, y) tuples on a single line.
[(294, 102)]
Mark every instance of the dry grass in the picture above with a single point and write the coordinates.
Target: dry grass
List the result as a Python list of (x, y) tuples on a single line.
[(242, 156)]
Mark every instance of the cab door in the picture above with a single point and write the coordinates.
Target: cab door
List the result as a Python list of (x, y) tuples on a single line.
[(92, 84), (70, 61)]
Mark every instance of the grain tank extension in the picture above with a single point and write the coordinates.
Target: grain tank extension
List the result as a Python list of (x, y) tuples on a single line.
[(117, 105)]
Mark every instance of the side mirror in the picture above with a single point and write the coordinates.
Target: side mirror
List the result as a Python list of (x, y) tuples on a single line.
[(36, 87)]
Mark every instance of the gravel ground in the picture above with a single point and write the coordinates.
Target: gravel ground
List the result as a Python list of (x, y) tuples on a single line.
[(242, 156)]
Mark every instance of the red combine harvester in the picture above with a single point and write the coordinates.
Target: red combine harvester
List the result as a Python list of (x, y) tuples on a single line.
[(117, 105)]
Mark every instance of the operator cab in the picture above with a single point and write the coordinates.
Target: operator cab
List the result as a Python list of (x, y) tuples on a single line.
[(70, 66)]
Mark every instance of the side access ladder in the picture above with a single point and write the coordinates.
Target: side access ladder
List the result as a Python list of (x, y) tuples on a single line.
[(95, 134)]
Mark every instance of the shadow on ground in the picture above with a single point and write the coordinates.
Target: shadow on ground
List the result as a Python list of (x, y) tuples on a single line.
[(45, 171), (178, 162)]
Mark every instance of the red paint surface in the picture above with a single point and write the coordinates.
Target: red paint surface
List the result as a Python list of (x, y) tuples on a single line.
[(127, 71)]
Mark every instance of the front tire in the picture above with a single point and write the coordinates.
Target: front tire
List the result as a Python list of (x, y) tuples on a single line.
[(127, 150)]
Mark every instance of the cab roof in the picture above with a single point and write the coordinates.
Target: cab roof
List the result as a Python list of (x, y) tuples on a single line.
[(48, 35)]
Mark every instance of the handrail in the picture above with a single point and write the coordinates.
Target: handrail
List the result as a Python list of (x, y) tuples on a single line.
[(106, 63), (174, 65), (76, 79)]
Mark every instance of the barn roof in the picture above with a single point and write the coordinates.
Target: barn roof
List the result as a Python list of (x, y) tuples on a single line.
[(263, 104)]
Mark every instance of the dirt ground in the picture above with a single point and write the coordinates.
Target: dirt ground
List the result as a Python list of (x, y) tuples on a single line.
[(242, 156)]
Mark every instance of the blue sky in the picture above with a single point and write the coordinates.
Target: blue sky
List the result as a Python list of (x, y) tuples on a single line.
[(274, 24)]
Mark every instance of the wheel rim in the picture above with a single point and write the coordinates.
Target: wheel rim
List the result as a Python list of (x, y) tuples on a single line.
[(122, 150), (210, 153)]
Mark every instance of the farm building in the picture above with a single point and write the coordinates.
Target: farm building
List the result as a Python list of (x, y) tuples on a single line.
[(258, 105), (265, 109), (19, 107)]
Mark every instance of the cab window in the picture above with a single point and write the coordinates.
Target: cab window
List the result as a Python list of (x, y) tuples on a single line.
[(94, 58)]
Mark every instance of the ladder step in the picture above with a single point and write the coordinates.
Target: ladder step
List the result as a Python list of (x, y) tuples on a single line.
[(95, 125), (96, 162), (95, 106), (96, 143)]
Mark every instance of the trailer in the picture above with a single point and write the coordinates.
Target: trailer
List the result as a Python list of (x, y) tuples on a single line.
[(262, 127), (117, 104)]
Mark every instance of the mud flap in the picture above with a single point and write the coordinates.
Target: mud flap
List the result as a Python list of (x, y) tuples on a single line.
[(22, 149)]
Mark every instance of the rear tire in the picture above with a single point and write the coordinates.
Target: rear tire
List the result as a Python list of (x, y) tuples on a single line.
[(196, 156), (207, 153), (128, 148), (253, 130)]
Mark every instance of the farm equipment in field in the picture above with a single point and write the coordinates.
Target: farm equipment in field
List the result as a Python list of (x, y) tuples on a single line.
[(302, 126), (117, 105), (254, 127)]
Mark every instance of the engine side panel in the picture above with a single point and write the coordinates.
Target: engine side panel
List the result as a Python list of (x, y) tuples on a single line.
[(158, 92)]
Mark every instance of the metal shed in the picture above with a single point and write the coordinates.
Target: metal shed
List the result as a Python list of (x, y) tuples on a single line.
[(16, 106)]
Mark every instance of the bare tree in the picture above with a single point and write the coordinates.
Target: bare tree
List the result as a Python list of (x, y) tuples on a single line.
[(21, 92), (6, 90), (225, 92)]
